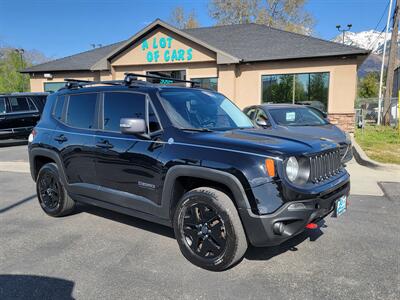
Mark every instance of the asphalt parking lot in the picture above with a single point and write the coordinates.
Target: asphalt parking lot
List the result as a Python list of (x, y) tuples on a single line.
[(97, 254)]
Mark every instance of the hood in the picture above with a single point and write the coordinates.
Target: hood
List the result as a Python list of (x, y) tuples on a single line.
[(260, 141), (328, 131)]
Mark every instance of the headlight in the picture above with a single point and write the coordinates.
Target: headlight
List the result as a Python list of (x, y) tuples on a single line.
[(292, 168), (298, 169)]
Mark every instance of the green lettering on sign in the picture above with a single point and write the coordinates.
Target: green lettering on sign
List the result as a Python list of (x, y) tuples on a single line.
[(161, 51)]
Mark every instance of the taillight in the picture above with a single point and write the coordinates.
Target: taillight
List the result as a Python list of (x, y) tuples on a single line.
[(32, 135)]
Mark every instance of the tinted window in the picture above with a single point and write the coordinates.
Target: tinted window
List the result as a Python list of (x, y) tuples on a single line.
[(202, 109), (308, 89), (251, 113), (207, 83), (122, 105), (81, 111), (2, 106), (58, 109), (21, 104), (154, 124)]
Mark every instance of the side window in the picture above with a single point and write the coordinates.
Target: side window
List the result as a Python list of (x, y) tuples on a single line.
[(81, 111), (122, 105), (154, 123), (251, 113), (58, 108), (2, 106), (262, 117), (18, 104)]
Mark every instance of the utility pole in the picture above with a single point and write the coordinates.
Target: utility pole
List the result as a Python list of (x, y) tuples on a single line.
[(391, 66), (383, 65), (343, 31)]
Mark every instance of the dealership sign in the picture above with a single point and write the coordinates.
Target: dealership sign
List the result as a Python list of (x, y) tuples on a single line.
[(162, 50)]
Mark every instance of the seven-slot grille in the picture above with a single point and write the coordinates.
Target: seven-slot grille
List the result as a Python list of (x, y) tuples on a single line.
[(324, 165)]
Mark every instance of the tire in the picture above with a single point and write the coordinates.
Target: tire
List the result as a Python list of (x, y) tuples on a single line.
[(206, 217), (51, 193)]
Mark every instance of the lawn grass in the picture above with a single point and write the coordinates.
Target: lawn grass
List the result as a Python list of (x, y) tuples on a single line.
[(380, 143)]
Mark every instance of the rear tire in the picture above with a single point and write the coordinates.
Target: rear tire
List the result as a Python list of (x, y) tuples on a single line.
[(52, 195), (208, 229)]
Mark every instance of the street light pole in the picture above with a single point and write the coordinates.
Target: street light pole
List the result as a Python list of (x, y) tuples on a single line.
[(343, 31), (21, 53)]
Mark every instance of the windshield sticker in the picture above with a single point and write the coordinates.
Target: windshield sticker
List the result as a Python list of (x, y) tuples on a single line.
[(290, 116)]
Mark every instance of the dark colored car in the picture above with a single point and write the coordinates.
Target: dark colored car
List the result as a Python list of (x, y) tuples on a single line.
[(19, 113), (301, 122), (186, 158)]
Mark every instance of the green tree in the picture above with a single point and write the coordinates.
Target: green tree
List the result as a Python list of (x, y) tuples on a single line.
[(368, 86), (182, 20), (288, 15), (11, 80)]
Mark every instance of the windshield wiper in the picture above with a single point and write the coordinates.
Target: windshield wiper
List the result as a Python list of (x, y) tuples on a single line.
[(197, 129)]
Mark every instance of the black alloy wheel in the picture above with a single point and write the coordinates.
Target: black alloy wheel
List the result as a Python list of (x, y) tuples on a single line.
[(208, 229), (204, 231), (49, 192), (52, 195)]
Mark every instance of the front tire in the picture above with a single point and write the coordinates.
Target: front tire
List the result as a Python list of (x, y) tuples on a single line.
[(51, 193), (208, 229)]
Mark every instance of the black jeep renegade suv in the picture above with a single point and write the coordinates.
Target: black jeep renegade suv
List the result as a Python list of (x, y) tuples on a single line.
[(183, 157)]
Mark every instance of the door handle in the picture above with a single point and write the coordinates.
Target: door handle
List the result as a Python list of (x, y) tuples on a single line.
[(61, 138), (105, 144)]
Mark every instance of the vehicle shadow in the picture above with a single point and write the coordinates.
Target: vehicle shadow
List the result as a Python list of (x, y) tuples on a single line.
[(13, 286), (125, 219), (266, 253), (20, 202), (11, 143)]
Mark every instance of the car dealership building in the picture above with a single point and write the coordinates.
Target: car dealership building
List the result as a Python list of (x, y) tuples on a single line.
[(248, 63)]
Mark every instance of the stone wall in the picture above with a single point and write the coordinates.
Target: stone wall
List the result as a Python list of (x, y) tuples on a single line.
[(344, 121)]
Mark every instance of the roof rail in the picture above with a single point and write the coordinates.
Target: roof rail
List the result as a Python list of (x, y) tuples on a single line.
[(130, 77), (78, 83)]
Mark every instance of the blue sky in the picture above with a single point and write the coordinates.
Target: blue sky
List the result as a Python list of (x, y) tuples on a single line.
[(64, 27)]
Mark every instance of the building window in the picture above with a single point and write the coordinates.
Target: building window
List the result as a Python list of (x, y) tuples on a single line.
[(210, 83), (52, 87), (308, 88)]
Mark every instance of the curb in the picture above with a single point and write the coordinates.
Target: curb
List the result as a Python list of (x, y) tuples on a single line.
[(363, 159)]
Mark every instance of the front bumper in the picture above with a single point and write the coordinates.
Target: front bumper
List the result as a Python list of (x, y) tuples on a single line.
[(259, 228)]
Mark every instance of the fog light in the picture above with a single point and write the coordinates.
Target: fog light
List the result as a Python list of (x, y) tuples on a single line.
[(296, 206), (278, 228)]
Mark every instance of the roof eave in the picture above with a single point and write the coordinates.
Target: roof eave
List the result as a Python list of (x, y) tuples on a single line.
[(366, 53), (222, 57), (26, 71)]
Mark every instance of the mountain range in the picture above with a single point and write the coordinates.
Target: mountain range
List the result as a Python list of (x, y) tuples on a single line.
[(371, 40)]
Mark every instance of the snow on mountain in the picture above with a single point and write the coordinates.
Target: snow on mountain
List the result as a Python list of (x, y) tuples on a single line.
[(370, 40)]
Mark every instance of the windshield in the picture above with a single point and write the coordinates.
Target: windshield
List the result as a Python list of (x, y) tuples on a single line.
[(198, 109), (301, 116)]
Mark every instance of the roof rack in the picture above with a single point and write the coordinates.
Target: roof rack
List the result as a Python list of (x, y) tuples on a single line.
[(78, 83), (130, 77)]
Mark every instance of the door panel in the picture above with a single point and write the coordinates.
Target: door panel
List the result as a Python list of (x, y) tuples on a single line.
[(75, 138), (128, 165)]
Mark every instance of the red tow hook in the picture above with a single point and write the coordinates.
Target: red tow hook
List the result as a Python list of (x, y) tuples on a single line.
[(311, 226)]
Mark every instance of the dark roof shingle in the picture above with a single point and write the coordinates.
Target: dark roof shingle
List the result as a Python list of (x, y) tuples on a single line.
[(81, 61), (253, 42)]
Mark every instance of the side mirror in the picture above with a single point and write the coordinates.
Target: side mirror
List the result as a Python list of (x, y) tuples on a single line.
[(262, 123), (132, 126)]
